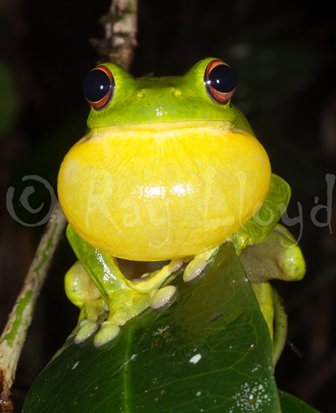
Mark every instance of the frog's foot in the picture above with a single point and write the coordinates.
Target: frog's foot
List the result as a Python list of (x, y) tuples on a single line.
[(88, 319), (277, 257), (123, 305), (134, 303), (195, 268), (135, 297), (162, 297)]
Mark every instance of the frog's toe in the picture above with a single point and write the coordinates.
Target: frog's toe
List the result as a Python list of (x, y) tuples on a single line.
[(87, 328), (194, 270), (175, 265), (107, 332), (164, 297)]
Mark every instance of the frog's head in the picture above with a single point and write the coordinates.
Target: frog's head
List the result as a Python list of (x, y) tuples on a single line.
[(202, 94), (169, 168)]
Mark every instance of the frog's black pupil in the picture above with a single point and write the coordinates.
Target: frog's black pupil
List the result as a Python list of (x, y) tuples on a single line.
[(96, 85), (222, 78)]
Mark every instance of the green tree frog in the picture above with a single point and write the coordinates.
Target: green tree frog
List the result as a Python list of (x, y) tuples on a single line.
[(169, 170)]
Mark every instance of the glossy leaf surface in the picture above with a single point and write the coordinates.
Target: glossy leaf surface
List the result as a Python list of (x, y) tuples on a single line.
[(209, 351), (291, 404)]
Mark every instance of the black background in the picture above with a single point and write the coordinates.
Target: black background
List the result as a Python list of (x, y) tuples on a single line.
[(284, 55)]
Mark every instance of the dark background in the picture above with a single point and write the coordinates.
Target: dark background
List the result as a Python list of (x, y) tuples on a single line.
[(284, 55)]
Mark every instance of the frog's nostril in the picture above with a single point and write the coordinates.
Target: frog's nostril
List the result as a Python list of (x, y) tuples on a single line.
[(177, 93), (141, 94)]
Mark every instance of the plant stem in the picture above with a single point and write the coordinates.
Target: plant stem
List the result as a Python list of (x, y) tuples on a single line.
[(118, 47), (14, 334), (120, 25)]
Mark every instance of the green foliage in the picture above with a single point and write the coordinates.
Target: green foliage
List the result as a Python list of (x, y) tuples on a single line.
[(210, 351)]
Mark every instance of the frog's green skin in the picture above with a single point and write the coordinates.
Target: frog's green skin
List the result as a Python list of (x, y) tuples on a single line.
[(278, 257), (158, 113)]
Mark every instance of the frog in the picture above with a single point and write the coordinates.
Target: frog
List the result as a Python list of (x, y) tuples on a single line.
[(169, 170)]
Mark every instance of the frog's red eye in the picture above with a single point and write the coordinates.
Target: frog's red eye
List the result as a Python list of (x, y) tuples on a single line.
[(220, 81), (98, 87)]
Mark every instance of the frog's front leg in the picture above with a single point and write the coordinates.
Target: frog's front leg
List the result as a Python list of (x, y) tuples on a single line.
[(121, 304), (135, 297), (104, 287)]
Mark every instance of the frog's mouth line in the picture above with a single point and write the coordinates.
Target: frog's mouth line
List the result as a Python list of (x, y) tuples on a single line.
[(162, 127)]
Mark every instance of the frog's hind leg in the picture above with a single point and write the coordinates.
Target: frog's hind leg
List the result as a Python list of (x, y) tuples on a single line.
[(82, 292)]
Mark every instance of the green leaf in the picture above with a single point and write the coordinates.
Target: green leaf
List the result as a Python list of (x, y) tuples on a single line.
[(210, 351), (291, 404)]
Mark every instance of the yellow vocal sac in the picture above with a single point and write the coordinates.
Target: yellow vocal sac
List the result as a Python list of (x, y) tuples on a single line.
[(153, 192)]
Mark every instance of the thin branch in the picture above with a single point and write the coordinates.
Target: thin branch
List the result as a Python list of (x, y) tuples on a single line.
[(120, 25), (14, 334), (118, 46)]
